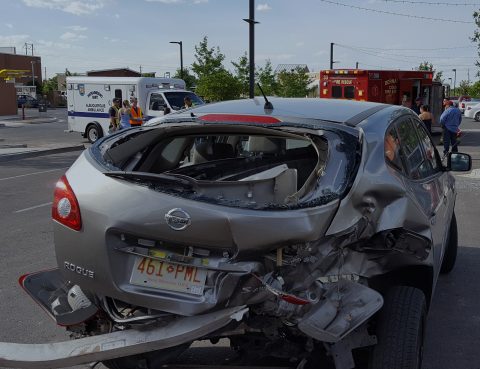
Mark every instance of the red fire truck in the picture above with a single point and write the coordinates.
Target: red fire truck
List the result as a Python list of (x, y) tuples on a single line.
[(385, 86)]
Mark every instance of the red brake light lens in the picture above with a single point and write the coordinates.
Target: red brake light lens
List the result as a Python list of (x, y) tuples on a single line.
[(240, 118), (65, 209)]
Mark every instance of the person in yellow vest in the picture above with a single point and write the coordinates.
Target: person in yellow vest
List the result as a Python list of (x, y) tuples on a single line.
[(136, 113)]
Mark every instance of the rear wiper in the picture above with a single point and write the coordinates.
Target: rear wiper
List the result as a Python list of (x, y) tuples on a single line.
[(153, 177)]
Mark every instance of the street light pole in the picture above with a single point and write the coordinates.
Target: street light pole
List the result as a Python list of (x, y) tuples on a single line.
[(181, 56), (33, 73), (454, 80)]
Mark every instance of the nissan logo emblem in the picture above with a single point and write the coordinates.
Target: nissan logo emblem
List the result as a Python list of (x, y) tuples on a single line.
[(177, 219)]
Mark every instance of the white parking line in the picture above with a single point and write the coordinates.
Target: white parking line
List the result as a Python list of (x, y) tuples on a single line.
[(32, 174), (32, 207)]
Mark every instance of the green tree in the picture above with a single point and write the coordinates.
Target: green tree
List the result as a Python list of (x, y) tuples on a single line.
[(49, 86), (188, 77), (426, 66), (242, 73), (214, 83), (474, 90), (218, 86), (208, 60), (266, 78), (293, 83), (476, 36), (463, 88)]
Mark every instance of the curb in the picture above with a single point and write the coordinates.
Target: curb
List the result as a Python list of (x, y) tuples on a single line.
[(29, 121), (40, 152)]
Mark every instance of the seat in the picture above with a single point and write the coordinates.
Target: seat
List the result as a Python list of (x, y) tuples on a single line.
[(208, 151)]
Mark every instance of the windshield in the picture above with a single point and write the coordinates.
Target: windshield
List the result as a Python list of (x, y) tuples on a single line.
[(175, 99)]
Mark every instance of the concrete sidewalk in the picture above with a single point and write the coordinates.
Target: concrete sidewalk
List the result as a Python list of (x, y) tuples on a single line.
[(31, 116)]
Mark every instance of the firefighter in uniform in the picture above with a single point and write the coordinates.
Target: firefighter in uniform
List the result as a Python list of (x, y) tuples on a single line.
[(136, 113)]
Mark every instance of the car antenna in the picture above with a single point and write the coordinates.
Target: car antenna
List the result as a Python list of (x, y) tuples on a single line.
[(268, 105)]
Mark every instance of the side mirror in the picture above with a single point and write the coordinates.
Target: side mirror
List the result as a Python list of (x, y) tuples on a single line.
[(459, 162)]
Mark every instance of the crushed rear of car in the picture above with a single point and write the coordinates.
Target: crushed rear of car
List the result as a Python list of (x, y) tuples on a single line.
[(292, 218)]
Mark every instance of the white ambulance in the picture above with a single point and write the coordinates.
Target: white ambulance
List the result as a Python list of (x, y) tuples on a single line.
[(90, 98)]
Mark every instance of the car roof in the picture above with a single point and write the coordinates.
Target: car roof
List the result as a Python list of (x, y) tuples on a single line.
[(332, 110)]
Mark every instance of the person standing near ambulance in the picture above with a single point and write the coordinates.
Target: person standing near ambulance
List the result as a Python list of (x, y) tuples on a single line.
[(135, 113), (113, 114)]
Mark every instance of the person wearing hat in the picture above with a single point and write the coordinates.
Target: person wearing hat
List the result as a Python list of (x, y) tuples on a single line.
[(113, 114), (450, 120), (416, 106)]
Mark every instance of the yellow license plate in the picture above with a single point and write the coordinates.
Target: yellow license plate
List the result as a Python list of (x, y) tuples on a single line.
[(172, 277)]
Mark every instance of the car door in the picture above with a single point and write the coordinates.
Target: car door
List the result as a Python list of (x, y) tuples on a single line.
[(425, 180)]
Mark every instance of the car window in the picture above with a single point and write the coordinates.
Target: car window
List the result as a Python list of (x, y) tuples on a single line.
[(428, 146), (392, 148), (417, 166)]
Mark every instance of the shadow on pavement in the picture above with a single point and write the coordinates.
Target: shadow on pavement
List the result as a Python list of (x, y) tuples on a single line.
[(43, 162)]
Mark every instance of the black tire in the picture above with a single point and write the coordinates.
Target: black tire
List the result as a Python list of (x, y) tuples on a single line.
[(477, 116), (148, 360), (93, 133), (400, 330), (450, 256)]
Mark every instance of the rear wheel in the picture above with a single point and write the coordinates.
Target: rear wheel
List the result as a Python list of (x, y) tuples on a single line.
[(477, 116), (400, 330), (149, 360), (93, 133), (450, 256)]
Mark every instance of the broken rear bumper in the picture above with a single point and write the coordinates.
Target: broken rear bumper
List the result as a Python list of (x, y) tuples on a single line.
[(115, 344)]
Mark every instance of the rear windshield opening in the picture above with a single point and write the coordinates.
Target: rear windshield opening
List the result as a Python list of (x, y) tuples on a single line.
[(245, 169)]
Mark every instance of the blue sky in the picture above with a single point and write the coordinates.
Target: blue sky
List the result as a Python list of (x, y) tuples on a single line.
[(83, 35)]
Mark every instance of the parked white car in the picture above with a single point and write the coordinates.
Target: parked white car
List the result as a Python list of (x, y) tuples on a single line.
[(473, 111), (463, 105)]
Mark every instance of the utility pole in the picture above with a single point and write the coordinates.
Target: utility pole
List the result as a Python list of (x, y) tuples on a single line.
[(45, 73), (356, 65), (140, 69), (468, 75), (27, 47), (251, 30), (331, 55)]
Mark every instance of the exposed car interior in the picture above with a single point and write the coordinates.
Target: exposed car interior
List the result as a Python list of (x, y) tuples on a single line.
[(240, 166)]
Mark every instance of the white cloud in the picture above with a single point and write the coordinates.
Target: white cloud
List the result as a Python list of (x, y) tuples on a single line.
[(77, 28), (263, 7), (55, 45), (106, 38), (9, 25), (300, 44), (117, 15), (275, 57), (166, 1), (71, 36), (13, 40), (200, 1), (76, 7)]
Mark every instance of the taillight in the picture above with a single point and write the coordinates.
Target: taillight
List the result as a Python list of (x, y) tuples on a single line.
[(240, 118), (65, 209), (463, 106)]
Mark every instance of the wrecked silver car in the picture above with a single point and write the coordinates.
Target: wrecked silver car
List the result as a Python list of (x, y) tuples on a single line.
[(308, 227)]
